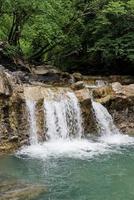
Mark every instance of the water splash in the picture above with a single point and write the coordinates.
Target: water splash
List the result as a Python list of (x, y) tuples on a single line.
[(108, 132), (63, 117), (55, 120), (104, 120)]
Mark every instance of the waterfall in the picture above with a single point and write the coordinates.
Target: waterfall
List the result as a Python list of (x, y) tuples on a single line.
[(56, 123), (32, 121), (63, 129), (63, 117), (104, 120), (109, 133)]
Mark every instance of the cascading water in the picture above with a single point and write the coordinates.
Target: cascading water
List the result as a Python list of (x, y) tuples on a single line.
[(104, 120), (108, 132), (55, 120), (32, 121), (63, 117), (63, 129), (75, 111)]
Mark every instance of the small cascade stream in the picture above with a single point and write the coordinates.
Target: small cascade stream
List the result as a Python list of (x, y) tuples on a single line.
[(32, 121), (108, 132), (63, 117), (104, 120), (63, 129)]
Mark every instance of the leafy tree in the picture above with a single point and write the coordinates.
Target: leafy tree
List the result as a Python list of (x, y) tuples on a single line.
[(71, 33)]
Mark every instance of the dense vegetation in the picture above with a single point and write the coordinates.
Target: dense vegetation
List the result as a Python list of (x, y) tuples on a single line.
[(74, 34)]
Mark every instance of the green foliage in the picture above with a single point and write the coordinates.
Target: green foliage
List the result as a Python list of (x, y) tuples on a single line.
[(56, 31), (11, 50), (114, 32)]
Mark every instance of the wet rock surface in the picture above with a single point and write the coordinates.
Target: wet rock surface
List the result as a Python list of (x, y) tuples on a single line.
[(5, 86), (122, 111), (15, 87), (13, 114), (89, 123), (78, 85)]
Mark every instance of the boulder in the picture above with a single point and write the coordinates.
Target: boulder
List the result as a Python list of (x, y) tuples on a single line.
[(103, 94), (77, 77), (44, 69), (82, 95), (78, 85), (123, 90)]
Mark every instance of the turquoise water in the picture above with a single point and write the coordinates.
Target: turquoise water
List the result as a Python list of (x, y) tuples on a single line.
[(108, 176)]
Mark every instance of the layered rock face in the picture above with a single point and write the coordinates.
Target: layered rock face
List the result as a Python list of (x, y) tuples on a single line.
[(14, 116), (47, 93), (89, 122)]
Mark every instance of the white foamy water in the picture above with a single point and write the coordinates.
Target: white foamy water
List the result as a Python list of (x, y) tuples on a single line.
[(63, 116), (32, 121), (66, 148), (109, 133), (104, 120), (55, 120), (77, 148)]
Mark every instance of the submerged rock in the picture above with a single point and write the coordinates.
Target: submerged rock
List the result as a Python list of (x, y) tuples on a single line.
[(14, 190)]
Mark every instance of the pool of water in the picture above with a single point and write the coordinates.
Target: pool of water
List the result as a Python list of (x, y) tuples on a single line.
[(105, 176)]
